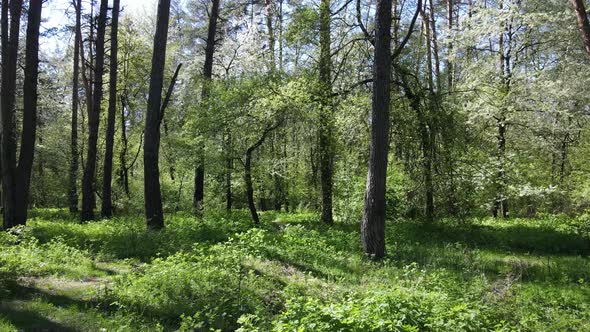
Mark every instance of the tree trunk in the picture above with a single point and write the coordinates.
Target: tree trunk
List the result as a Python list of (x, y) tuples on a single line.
[(8, 100), (228, 172), (124, 170), (199, 193), (153, 197), (269, 7), (426, 120), (582, 22), (29, 129), (4, 54), (449, 65), (16, 176), (434, 40), (107, 176), (373, 223), (326, 121), (248, 171), (89, 178), (73, 190), (249, 187), (501, 202)]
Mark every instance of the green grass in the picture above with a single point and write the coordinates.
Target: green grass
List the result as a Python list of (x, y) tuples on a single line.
[(293, 274)]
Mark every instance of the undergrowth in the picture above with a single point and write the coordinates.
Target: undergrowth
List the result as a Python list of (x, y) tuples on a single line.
[(293, 274)]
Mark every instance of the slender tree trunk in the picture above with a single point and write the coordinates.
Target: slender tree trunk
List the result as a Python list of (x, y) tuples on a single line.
[(450, 70), (228, 172), (249, 186), (4, 53), (107, 176), (8, 103), (426, 120), (153, 196), (199, 193), (73, 190), (582, 22), (124, 171), (326, 121), (29, 129), (501, 202), (269, 7), (248, 171), (280, 36), (563, 158), (434, 41), (89, 178), (373, 222)]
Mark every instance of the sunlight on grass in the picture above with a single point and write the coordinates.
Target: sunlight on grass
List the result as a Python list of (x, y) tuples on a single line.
[(294, 273)]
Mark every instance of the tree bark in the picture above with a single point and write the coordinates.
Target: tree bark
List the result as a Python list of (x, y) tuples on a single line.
[(373, 222), (228, 172), (326, 121), (16, 176), (426, 122), (249, 186), (153, 196), (8, 101), (73, 190), (269, 7), (107, 176), (449, 66), (199, 193), (29, 129), (124, 170), (582, 22), (89, 178), (248, 171)]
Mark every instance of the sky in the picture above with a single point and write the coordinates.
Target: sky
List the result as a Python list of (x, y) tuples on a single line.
[(55, 14)]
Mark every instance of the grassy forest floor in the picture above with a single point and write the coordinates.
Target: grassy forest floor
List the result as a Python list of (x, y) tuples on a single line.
[(292, 274)]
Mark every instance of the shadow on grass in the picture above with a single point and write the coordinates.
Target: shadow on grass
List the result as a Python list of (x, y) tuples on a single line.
[(515, 238), (28, 320)]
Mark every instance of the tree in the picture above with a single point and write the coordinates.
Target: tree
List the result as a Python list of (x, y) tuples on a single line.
[(153, 196), (582, 22), (207, 74), (89, 178), (16, 176), (73, 184), (326, 121), (248, 170), (373, 223), (10, 39), (107, 204)]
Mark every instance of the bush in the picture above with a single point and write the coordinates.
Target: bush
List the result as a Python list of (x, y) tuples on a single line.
[(204, 288)]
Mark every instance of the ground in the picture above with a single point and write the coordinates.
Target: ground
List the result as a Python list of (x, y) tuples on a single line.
[(293, 274)]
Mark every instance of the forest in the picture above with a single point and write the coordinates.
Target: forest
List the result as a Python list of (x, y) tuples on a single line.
[(295, 165)]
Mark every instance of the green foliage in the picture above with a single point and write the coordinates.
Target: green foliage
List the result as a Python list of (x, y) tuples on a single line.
[(293, 273)]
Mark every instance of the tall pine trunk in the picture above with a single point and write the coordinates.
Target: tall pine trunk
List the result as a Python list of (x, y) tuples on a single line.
[(10, 36), (228, 171), (73, 183), (16, 176), (29, 129), (373, 222), (89, 178), (199, 193), (107, 201), (151, 148), (582, 22), (326, 121)]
